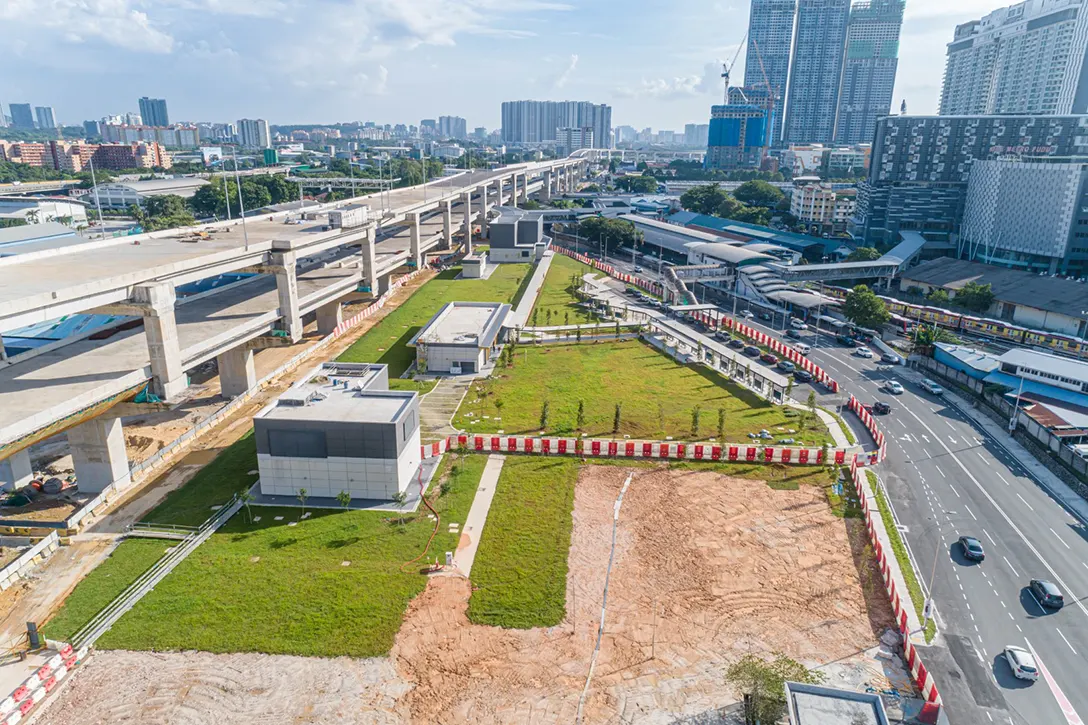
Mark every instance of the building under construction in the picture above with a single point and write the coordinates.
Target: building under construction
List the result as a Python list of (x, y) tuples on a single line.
[(738, 133)]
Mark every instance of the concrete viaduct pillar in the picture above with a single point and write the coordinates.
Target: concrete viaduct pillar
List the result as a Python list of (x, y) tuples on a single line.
[(525, 187), (3, 353), (417, 258), (98, 452), (329, 317), (284, 266), (16, 471), (156, 304), (447, 222), (237, 373), (547, 192), (514, 190), (370, 264), (466, 200), (483, 211)]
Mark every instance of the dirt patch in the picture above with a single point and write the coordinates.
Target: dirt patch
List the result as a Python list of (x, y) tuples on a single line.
[(706, 569)]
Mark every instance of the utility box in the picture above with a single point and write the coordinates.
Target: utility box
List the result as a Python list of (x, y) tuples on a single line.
[(349, 218)]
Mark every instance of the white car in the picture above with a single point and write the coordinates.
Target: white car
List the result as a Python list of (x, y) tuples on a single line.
[(893, 387), (931, 387), (748, 315), (863, 351), (1021, 662), (797, 324)]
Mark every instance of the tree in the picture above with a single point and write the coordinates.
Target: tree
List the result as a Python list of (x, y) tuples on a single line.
[(400, 498), (167, 211), (544, 416), (696, 415), (765, 684), (759, 193), (721, 424), (975, 296), (703, 199), (811, 402), (864, 254), (615, 233), (938, 297), (637, 184), (344, 499), (864, 308), (247, 498), (302, 495), (581, 421), (926, 338), (616, 419), (789, 387)]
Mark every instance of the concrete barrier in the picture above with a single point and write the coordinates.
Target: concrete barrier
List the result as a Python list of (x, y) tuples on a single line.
[(16, 707), (870, 424), (31, 557)]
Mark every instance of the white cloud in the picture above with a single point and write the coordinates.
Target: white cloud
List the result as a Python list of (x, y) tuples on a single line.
[(120, 23), (561, 81), (677, 87)]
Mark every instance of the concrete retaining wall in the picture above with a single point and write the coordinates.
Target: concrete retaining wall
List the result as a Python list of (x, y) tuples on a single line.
[(30, 558)]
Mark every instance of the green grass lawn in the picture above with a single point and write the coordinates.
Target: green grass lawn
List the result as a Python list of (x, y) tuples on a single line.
[(105, 582), (555, 295), (657, 395), (215, 484), (387, 342), (520, 572), (268, 587)]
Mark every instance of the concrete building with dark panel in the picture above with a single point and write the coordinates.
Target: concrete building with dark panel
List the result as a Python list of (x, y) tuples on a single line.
[(339, 429), (517, 236), (462, 338)]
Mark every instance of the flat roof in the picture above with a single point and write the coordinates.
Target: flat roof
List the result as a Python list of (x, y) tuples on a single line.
[(31, 233), (1055, 364), (152, 186), (974, 359), (816, 705), (1051, 294), (340, 392), (468, 324)]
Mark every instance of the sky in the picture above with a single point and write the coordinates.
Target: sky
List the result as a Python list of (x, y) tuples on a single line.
[(657, 62)]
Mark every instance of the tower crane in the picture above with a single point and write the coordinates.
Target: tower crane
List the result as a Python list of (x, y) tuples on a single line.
[(771, 97), (727, 67)]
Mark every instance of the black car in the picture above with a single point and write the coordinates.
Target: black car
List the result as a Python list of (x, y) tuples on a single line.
[(1047, 593), (736, 343), (752, 351), (972, 548), (881, 408), (802, 376), (846, 340), (889, 358), (793, 334), (765, 317)]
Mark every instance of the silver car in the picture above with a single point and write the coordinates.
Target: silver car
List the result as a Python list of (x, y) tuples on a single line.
[(931, 387), (893, 387)]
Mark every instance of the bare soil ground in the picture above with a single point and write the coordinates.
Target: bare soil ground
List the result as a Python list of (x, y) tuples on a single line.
[(706, 569)]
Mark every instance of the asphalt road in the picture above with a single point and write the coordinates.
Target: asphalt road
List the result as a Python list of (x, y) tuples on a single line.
[(947, 478)]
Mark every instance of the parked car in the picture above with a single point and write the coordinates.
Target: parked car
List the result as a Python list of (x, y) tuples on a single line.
[(1047, 593), (846, 340), (931, 387), (889, 358), (972, 548), (769, 357), (893, 387), (722, 335), (793, 334), (862, 351), (736, 343), (786, 366), (802, 376), (632, 292), (751, 351), (803, 348), (1021, 662), (798, 324)]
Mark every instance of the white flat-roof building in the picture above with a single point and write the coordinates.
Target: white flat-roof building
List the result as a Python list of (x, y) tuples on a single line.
[(462, 337), (120, 195), (40, 209), (339, 429)]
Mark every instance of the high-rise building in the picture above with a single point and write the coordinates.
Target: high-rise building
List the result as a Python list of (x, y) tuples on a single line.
[(920, 167), (92, 128), (625, 134), (737, 134), (572, 139), (696, 134), (3, 118), (868, 74), (1029, 58), (253, 133), (812, 98), (452, 127), (428, 127), (770, 38), (539, 121), (153, 111), (45, 117), (21, 115)]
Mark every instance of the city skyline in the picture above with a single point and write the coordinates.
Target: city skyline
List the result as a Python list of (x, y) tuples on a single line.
[(408, 69)]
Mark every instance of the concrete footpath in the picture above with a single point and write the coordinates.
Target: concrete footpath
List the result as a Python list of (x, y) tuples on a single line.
[(525, 305), (477, 515), (1057, 488)]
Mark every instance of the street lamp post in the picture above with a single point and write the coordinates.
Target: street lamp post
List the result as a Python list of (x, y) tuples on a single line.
[(241, 203)]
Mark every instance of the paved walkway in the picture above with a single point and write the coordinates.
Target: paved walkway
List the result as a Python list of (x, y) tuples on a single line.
[(437, 408), (477, 515), (525, 306)]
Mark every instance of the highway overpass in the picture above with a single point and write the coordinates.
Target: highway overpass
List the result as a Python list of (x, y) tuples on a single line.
[(302, 268)]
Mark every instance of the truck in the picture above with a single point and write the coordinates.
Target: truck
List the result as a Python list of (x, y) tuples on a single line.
[(349, 218)]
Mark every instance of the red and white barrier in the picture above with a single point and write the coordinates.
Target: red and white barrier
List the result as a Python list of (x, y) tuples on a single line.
[(611, 448), (16, 706), (871, 425), (922, 677), (651, 287), (377, 305)]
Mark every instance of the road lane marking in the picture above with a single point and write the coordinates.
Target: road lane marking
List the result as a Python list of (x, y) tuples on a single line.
[(1001, 512), (950, 425), (1011, 567), (937, 467), (955, 491), (1002, 478), (972, 513), (952, 440), (1059, 538), (979, 453), (1036, 600), (988, 536), (1063, 637), (1025, 502), (1071, 716)]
